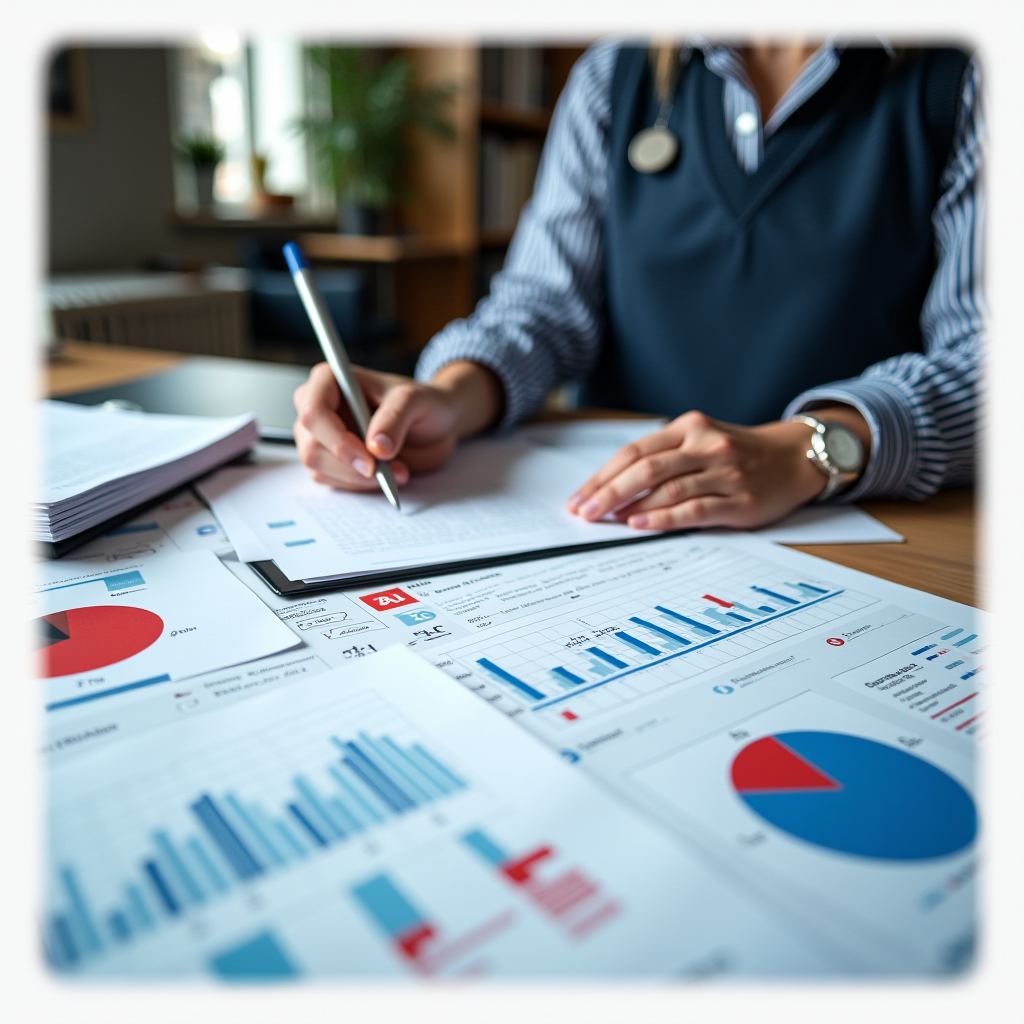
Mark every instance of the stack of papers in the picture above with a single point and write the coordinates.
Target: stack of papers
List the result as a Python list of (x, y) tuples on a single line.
[(101, 463)]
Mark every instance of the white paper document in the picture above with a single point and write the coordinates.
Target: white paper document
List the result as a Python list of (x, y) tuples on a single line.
[(813, 727), (829, 524), (376, 822), (493, 498), (595, 442), (100, 463), (109, 632)]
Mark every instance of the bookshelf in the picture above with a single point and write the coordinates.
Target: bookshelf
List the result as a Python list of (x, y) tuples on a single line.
[(466, 194)]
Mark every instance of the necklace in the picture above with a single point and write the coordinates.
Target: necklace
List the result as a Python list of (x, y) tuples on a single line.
[(653, 149)]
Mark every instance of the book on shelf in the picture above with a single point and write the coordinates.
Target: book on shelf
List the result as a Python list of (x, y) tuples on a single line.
[(508, 168), (513, 76)]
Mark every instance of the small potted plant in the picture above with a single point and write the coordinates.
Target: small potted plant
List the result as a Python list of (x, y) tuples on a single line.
[(361, 143), (203, 152)]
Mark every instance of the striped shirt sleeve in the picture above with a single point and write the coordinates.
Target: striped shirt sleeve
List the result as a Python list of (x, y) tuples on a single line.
[(542, 323), (923, 408)]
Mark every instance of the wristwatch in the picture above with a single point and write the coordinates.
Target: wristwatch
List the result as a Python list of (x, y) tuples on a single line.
[(836, 451)]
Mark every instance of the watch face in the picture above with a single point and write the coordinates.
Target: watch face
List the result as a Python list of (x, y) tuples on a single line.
[(844, 450)]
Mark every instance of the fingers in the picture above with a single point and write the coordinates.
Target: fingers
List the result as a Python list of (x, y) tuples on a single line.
[(399, 409), (318, 403), (623, 459), (352, 470), (660, 468), (704, 511)]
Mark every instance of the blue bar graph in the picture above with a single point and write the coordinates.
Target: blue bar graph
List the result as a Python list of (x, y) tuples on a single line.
[(921, 650), (966, 640), (754, 611), (703, 627), (163, 843), (388, 906), (486, 847), (737, 617), (226, 839), (302, 817), (81, 914), (259, 959), (661, 631), (567, 676), (163, 890), (725, 618), (949, 636), (767, 608), (116, 581), (637, 645), (210, 870), (141, 914), (369, 782), (507, 677), (118, 926), (778, 597), (809, 589), (100, 694), (605, 656)]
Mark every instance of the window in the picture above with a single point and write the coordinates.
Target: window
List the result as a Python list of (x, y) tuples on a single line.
[(246, 95)]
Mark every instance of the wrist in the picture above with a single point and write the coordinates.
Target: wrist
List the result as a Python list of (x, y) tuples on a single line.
[(794, 441), (474, 394)]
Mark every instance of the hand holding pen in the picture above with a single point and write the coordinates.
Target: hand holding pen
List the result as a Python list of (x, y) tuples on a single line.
[(414, 427)]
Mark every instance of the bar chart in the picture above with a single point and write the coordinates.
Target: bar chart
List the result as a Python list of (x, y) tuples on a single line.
[(227, 839), (655, 632), (418, 939), (569, 897)]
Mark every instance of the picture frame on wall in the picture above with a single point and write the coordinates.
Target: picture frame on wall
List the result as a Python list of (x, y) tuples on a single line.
[(68, 102)]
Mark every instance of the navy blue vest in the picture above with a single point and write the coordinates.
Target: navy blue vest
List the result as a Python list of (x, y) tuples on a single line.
[(732, 293)]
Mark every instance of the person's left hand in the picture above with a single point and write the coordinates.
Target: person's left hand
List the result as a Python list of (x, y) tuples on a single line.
[(697, 471)]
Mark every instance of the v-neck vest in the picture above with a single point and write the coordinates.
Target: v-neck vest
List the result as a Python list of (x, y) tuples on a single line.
[(733, 293)]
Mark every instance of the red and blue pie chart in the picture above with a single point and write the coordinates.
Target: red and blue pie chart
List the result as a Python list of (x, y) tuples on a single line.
[(86, 639), (855, 796)]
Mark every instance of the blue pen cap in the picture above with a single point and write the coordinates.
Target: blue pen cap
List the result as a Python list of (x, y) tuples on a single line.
[(295, 257)]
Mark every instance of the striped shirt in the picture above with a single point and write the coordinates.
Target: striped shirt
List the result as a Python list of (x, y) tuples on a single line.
[(542, 324)]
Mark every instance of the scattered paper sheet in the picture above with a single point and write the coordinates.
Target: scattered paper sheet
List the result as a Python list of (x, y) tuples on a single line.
[(378, 822), (104, 631)]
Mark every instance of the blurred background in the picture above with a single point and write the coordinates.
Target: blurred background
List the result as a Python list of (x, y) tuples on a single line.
[(176, 173)]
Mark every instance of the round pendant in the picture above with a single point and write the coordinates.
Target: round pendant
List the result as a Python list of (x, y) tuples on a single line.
[(652, 150)]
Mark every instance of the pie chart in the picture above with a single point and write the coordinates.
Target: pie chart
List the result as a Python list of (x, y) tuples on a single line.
[(85, 639), (855, 796)]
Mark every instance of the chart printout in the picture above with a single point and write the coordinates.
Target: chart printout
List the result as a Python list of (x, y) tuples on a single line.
[(105, 631), (741, 693), (377, 821)]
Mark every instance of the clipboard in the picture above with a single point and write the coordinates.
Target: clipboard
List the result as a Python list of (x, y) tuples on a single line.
[(272, 576)]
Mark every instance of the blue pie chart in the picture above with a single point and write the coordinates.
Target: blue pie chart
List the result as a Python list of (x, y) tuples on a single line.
[(855, 796)]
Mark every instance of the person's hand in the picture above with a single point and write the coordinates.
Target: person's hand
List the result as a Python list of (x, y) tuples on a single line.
[(413, 426), (700, 472)]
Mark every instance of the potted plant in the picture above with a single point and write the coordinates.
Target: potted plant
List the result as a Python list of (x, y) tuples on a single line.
[(203, 152), (362, 142)]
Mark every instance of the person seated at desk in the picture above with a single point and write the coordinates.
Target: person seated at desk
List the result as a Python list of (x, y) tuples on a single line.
[(800, 278)]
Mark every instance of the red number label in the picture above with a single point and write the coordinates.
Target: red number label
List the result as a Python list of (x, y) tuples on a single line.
[(385, 600)]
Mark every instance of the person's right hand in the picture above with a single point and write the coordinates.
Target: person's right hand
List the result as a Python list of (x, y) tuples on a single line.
[(413, 426)]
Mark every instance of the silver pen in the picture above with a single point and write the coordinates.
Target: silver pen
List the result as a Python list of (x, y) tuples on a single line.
[(337, 358)]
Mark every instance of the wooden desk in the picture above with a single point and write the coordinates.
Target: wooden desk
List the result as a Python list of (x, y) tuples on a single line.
[(939, 556), (83, 366)]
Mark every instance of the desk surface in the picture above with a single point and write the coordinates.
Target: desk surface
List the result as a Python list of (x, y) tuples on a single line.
[(939, 556)]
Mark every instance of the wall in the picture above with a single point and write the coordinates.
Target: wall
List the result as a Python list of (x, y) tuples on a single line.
[(111, 188)]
